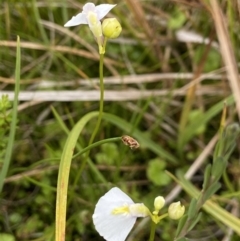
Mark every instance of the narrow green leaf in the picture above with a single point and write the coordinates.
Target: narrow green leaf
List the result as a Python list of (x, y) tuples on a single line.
[(192, 210), (42, 31), (181, 224), (194, 222), (232, 132), (218, 150), (207, 176), (59, 120), (210, 191), (40, 184), (13, 125), (227, 141), (218, 168), (63, 175)]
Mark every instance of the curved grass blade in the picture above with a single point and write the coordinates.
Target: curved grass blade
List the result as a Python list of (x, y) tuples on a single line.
[(63, 175)]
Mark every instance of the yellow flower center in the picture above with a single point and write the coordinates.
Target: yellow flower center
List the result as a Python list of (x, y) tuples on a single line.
[(92, 18), (121, 210)]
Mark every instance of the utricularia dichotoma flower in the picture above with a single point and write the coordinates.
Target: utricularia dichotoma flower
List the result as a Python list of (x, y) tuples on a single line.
[(92, 15), (116, 213)]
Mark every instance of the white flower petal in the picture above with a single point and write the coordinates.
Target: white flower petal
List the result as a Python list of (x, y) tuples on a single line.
[(103, 9), (76, 20), (89, 7), (116, 194), (113, 227), (100, 11)]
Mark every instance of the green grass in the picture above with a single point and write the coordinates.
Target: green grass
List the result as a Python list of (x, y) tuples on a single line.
[(173, 127)]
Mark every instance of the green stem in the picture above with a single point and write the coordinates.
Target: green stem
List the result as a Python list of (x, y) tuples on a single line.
[(101, 101), (88, 148), (98, 121), (152, 233)]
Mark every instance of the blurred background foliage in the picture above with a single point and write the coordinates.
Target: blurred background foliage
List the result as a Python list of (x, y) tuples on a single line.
[(164, 48)]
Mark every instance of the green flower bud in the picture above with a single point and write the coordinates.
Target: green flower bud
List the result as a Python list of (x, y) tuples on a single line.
[(111, 28), (158, 203), (176, 211)]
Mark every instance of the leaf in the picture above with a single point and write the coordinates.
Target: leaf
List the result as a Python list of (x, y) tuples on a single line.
[(210, 191), (207, 175), (156, 172), (192, 210), (194, 115), (218, 168), (227, 141), (108, 155), (63, 175), (231, 134), (194, 222), (177, 19), (181, 224), (9, 149)]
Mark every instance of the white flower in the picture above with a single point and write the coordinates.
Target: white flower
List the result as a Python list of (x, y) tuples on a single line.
[(115, 215), (91, 14)]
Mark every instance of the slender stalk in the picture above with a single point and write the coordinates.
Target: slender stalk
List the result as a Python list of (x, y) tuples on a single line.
[(88, 148), (96, 129), (152, 232)]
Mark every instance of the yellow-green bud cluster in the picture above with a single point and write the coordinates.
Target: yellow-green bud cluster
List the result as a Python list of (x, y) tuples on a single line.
[(175, 210)]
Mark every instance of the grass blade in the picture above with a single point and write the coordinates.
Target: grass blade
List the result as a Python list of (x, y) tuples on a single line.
[(63, 175), (13, 125)]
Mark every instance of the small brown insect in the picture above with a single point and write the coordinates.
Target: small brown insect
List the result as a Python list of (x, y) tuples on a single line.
[(131, 142)]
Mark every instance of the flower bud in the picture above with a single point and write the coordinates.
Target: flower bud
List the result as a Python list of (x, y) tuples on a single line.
[(139, 210), (176, 211), (111, 28), (159, 203)]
